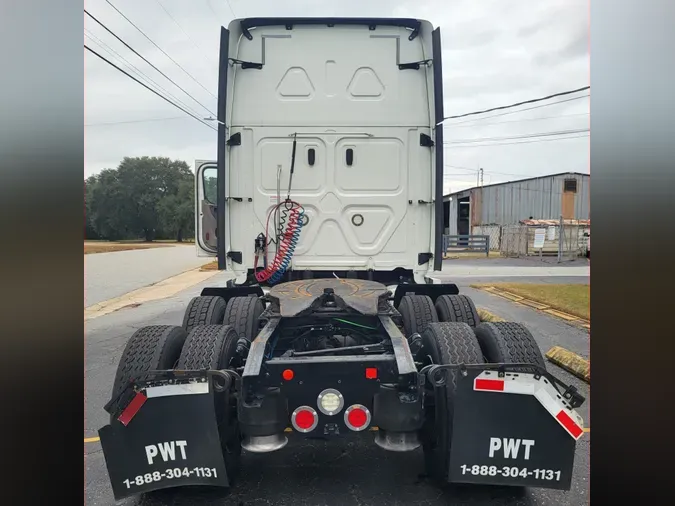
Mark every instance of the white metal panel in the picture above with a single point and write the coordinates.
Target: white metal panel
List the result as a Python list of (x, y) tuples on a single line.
[(335, 88), (342, 76)]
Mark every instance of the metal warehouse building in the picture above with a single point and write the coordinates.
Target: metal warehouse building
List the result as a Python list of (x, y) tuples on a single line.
[(541, 198)]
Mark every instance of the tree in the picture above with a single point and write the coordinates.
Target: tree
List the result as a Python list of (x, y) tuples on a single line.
[(89, 228), (177, 213), (146, 197)]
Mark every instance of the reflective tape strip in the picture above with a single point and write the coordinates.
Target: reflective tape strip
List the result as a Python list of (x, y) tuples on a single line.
[(134, 406), (544, 392), (554, 407), (179, 389), (510, 385)]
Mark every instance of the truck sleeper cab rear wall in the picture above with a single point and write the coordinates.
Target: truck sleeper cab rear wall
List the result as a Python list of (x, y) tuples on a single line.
[(362, 105)]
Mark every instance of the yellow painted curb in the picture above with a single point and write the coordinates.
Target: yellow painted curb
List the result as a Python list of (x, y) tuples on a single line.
[(536, 305), (91, 439), (163, 289), (571, 362), (487, 316), (560, 314)]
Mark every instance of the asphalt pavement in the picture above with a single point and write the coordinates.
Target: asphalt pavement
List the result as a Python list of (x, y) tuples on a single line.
[(109, 275), (317, 473)]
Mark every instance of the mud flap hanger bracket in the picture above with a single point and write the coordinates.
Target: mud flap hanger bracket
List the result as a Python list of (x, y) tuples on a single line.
[(221, 380), (437, 377)]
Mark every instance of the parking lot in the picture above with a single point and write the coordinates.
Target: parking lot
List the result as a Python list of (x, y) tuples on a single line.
[(317, 473)]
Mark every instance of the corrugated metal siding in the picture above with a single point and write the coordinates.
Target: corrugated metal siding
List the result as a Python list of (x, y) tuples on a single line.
[(453, 217), (539, 198)]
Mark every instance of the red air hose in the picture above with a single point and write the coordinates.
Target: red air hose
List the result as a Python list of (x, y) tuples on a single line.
[(287, 241)]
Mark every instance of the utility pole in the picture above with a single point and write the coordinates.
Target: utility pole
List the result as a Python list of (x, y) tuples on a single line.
[(481, 176)]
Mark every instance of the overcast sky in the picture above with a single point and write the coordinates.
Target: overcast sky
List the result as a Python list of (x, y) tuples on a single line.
[(495, 52)]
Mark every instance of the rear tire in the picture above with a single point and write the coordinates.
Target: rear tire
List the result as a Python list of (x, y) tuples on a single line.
[(457, 308), (156, 347), (214, 347), (243, 314), (446, 343), (418, 312), (204, 310), (508, 343)]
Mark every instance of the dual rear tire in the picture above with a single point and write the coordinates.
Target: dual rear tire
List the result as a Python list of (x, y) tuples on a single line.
[(454, 343), (207, 339), (418, 311)]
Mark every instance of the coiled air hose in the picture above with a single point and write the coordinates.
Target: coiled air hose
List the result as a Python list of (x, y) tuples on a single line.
[(288, 240)]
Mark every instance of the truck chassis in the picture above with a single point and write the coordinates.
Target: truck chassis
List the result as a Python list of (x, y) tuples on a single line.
[(335, 358)]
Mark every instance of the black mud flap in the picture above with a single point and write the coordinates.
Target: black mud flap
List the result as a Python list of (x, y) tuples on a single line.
[(170, 439), (512, 429)]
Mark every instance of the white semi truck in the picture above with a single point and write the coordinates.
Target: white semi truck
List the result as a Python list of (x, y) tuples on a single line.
[(327, 190)]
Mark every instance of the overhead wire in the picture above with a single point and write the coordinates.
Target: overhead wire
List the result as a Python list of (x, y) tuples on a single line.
[(150, 120), (208, 3), (133, 68), (230, 6), (147, 61), (147, 87), (183, 30), (562, 93), (157, 46), (516, 112), (516, 120), (521, 142), (514, 137)]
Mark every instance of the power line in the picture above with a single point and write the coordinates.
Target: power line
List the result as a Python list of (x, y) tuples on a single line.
[(183, 30), (133, 121), (524, 136), (521, 142), (514, 120), (474, 171), (217, 16), (164, 52), (521, 110), (146, 60), (147, 87), (517, 104), (230, 6), (114, 53)]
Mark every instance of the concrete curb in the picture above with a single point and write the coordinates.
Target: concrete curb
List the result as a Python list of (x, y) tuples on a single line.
[(166, 288), (487, 316), (536, 305), (571, 362)]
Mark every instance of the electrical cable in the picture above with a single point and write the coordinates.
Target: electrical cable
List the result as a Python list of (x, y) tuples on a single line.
[(521, 142), (287, 243), (562, 93), (133, 121), (454, 125), (524, 136), (183, 30), (146, 60), (230, 6), (516, 112), (133, 68), (164, 52), (147, 87)]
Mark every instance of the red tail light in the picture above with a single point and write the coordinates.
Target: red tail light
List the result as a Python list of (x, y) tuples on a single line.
[(304, 419), (357, 417)]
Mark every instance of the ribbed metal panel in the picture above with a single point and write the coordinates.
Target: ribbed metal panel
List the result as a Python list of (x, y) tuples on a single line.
[(508, 203)]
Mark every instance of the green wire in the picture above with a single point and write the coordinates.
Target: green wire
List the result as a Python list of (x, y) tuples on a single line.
[(355, 324)]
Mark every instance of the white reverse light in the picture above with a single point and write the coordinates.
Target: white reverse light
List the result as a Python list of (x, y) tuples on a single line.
[(330, 401)]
